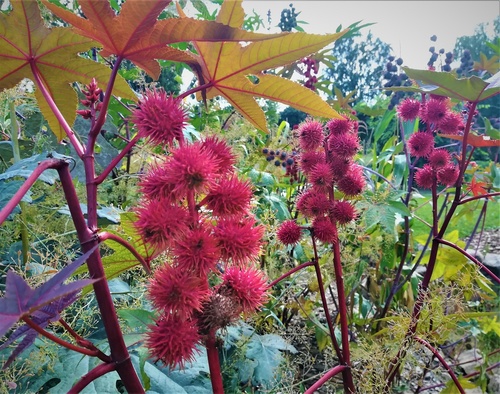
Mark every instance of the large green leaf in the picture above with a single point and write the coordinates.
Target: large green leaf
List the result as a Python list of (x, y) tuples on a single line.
[(472, 89)]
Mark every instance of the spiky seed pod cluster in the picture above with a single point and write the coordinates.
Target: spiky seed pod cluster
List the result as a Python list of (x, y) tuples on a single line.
[(326, 159), (195, 208), (437, 116)]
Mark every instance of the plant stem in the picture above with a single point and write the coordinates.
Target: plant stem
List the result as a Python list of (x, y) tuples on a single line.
[(324, 302), (443, 363), (93, 374), (470, 257), (53, 106), (103, 236), (327, 376), (292, 271), (214, 364), (466, 200), (100, 179), (88, 239), (17, 197), (14, 131), (58, 340)]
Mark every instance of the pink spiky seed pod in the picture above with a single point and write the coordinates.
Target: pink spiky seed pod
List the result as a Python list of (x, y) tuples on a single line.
[(353, 182), (229, 197), (321, 177), (238, 240), (310, 135), (343, 145), (308, 160), (223, 157), (289, 233), (344, 212), (160, 118), (425, 177), (408, 109), (434, 111), (448, 175), (197, 251), (172, 340), (420, 144), (339, 126), (324, 230), (451, 124), (439, 158)]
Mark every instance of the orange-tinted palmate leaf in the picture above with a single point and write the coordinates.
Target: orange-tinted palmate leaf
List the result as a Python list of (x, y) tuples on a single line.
[(477, 141), (136, 34), (477, 188), (28, 47), (236, 72)]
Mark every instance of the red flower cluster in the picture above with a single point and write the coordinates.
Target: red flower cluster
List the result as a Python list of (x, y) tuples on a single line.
[(326, 158), (197, 210)]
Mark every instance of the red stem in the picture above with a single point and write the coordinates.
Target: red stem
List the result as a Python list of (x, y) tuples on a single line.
[(443, 363), (88, 239), (214, 364), (103, 236), (317, 269), (292, 271), (93, 374), (100, 179), (60, 118), (466, 200), (58, 340), (326, 377), (17, 197), (84, 342), (470, 257)]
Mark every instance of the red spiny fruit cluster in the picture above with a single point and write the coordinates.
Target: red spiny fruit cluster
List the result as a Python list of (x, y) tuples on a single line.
[(436, 116), (196, 211), (326, 160)]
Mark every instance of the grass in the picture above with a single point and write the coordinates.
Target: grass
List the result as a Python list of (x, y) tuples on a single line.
[(464, 219)]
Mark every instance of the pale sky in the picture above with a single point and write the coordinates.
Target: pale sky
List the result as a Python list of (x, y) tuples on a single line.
[(406, 25)]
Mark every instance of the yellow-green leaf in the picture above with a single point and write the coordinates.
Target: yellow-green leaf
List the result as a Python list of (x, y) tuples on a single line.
[(224, 69), (49, 57)]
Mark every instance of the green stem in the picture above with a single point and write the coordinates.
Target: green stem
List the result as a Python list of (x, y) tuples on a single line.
[(14, 130)]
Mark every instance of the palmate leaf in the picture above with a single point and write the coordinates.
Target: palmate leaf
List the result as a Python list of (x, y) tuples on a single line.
[(224, 68), (20, 300), (136, 34), (29, 49), (472, 89)]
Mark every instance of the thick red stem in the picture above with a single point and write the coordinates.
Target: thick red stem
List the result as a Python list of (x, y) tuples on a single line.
[(88, 239), (214, 364), (93, 374), (292, 271)]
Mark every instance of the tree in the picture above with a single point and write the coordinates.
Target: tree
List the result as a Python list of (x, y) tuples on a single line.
[(360, 66)]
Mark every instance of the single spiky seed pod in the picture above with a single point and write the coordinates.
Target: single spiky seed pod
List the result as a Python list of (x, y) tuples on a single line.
[(160, 223), (339, 126), (308, 160), (448, 175), (343, 145), (191, 169), (451, 124), (175, 290), (343, 212), (434, 110), (289, 233), (248, 285), (310, 135), (238, 240), (196, 251), (408, 109), (324, 230), (172, 340), (321, 177), (155, 185), (439, 158), (339, 166), (353, 182), (317, 204), (160, 118), (229, 197), (421, 144), (219, 311), (425, 177)]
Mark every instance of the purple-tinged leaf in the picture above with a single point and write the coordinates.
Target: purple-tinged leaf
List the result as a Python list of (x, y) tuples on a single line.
[(21, 300), (42, 317)]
